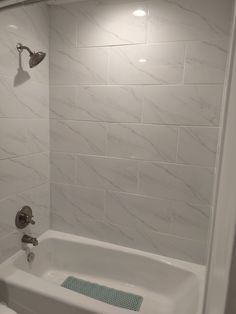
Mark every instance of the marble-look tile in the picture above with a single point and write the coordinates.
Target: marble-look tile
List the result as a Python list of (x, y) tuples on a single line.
[(100, 230), (104, 231), (63, 26), (198, 145), (178, 182), (182, 105), (147, 64), (150, 142), (63, 102), (9, 245), (38, 14), (107, 173), (22, 173), (16, 66), (188, 20), (132, 210), (28, 100), (206, 62), (39, 200), (109, 103), (154, 242), (28, 25), (78, 66), (180, 248), (110, 23), (79, 202), (24, 125), (62, 168), (190, 221), (96, 103), (78, 137), (22, 137)]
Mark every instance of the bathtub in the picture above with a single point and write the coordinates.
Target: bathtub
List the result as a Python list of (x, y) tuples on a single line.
[(168, 286)]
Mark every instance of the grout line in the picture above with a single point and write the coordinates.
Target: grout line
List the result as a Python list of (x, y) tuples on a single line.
[(185, 65), (136, 85), (134, 123), (75, 169), (135, 160), (27, 155), (177, 146), (102, 190), (108, 66), (104, 205), (24, 191), (146, 42), (180, 84)]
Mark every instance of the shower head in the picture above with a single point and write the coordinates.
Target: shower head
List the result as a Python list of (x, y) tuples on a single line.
[(35, 57)]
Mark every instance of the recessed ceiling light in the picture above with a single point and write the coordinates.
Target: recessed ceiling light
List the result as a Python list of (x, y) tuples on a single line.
[(139, 13), (142, 60)]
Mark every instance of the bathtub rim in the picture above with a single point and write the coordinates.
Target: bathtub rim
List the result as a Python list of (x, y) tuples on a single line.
[(10, 274)]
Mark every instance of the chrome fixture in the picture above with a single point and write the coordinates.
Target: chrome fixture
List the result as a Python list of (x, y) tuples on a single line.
[(30, 257), (24, 217), (35, 57), (29, 240)]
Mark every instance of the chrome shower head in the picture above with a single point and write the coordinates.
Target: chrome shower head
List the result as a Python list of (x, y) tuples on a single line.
[(35, 57)]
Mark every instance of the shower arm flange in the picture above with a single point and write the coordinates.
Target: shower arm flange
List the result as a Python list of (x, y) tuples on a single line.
[(20, 48)]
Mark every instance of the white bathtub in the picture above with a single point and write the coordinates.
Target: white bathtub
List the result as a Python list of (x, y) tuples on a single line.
[(168, 286)]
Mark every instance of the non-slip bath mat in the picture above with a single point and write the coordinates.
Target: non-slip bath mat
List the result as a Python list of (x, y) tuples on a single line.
[(107, 295)]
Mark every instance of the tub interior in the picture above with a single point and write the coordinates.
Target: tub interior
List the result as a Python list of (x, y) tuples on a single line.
[(163, 285)]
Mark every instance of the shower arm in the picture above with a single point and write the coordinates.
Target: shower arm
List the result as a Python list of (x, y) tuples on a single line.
[(20, 48)]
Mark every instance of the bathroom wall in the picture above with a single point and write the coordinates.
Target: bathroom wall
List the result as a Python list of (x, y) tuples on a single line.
[(135, 103), (24, 123)]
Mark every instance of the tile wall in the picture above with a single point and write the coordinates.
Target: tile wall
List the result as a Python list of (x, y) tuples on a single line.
[(24, 123), (135, 108), (135, 103)]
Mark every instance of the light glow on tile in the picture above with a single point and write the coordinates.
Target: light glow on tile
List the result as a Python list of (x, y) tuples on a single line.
[(142, 60), (12, 26), (139, 13)]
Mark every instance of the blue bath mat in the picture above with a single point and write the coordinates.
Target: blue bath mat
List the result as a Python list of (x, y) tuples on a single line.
[(107, 295)]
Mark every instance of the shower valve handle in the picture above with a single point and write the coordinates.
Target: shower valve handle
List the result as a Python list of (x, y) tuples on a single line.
[(24, 217)]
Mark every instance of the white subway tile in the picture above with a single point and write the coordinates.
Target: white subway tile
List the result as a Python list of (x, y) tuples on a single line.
[(23, 137), (107, 173), (147, 64), (79, 66), (62, 168), (188, 20), (96, 103), (198, 145), (148, 142), (110, 23), (72, 203), (182, 105), (78, 137), (206, 62), (22, 173), (63, 26), (133, 210), (190, 221), (177, 182)]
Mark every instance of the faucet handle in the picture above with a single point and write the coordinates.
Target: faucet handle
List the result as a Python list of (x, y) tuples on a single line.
[(24, 217)]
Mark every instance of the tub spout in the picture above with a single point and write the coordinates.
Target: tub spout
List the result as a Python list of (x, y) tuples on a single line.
[(29, 240)]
